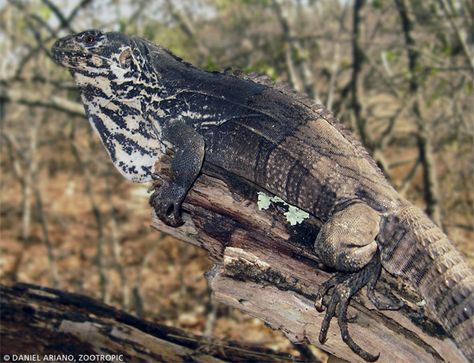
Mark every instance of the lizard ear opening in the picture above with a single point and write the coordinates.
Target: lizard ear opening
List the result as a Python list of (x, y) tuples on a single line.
[(126, 57)]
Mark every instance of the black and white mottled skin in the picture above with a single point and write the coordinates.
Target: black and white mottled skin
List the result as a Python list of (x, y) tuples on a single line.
[(164, 120)]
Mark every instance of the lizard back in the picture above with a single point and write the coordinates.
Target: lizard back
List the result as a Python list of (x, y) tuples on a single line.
[(294, 148)]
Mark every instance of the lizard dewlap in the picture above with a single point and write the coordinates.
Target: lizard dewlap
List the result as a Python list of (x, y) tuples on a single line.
[(163, 120)]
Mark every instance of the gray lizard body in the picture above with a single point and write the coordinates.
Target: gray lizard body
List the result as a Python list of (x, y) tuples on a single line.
[(162, 119)]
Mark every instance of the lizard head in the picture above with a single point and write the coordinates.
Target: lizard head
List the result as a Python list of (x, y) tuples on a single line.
[(94, 56), (112, 73)]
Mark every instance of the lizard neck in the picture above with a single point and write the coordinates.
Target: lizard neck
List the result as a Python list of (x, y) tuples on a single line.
[(131, 141), (413, 247)]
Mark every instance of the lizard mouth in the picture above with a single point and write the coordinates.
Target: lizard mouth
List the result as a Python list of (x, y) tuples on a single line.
[(66, 54)]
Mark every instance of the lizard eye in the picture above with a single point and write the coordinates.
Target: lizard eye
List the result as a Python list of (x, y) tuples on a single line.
[(89, 39)]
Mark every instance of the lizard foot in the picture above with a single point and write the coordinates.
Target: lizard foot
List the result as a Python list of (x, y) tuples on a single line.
[(167, 207), (345, 286)]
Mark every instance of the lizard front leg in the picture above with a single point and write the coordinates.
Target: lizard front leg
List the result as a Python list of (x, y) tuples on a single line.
[(346, 243), (176, 171)]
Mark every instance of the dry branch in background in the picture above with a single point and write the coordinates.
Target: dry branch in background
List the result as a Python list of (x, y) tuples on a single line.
[(266, 268), (37, 100), (424, 132), (54, 322)]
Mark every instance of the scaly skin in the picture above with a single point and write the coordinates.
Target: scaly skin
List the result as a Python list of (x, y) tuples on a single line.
[(163, 120), (413, 247)]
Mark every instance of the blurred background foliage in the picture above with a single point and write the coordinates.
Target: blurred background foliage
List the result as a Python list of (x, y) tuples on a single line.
[(396, 72)]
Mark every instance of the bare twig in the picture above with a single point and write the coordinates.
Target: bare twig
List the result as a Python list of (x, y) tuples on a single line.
[(457, 31), (34, 100), (357, 62), (294, 55), (100, 257), (423, 135)]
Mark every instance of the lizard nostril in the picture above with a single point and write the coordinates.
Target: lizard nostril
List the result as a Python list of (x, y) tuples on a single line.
[(58, 44)]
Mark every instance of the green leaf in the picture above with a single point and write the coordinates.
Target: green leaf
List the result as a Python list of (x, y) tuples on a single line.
[(391, 56), (211, 65), (122, 25), (377, 4), (44, 12)]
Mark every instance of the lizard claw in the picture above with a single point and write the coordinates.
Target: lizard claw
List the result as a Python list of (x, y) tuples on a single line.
[(381, 302), (157, 182), (344, 287)]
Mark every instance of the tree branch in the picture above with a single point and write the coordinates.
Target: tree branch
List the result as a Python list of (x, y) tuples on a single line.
[(55, 322), (423, 135), (54, 102), (294, 55), (266, 267)]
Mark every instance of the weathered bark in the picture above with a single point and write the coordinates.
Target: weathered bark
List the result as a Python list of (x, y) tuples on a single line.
[(39, 321), (266, 268)]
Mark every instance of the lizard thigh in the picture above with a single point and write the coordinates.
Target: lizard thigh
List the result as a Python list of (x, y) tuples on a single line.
[(346, 242)]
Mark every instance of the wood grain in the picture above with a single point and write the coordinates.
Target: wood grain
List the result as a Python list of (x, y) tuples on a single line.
[(266, 267)]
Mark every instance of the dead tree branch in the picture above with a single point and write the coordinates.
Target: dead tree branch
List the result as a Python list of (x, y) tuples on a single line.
[(54, 322), (266, 267)]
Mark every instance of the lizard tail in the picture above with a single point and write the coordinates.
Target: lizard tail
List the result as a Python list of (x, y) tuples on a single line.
[(413, 247)]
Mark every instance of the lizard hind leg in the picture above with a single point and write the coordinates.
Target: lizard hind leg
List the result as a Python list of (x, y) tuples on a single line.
[(346, 243)]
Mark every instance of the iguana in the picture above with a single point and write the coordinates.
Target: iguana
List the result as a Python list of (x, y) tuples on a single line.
[(164, 121)]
